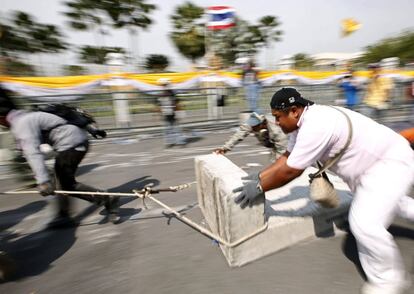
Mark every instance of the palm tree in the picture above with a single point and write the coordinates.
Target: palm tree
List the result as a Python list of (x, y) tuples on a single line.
[(48, 39), (129, 14), (188, 34), (11, 43), (401, 46), (74, 70), (156, 62), (24, 35), (37, 37), (85, 15), (243, 39), (97, 55), (97, 14), (268, 28), (303, 61)]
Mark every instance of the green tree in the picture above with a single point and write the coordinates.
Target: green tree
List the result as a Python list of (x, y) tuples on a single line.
[(156, 62), (11, 43), (303, 61), (86, 15), (25, 35), (97, 55), (99, 15), (132, 15), (74, 70), (268, 28), (22, 35), (129, 14), (401, 46), (188, 34), (16, 67), (243, 39), (230, 43)]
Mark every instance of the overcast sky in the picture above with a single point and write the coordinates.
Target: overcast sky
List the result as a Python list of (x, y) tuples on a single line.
[(309, 26)]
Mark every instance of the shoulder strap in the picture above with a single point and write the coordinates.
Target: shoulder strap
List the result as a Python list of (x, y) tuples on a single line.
[(330, 162)]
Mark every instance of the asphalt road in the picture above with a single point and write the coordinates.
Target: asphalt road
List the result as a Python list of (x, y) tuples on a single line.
[(149, 252)]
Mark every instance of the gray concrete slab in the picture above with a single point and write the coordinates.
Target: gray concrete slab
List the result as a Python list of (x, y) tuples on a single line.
[(290, 215)]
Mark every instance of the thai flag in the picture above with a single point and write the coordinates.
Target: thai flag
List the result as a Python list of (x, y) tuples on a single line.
[(220, 17)]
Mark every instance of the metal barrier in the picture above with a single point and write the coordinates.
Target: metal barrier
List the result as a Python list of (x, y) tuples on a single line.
[(142, 105)]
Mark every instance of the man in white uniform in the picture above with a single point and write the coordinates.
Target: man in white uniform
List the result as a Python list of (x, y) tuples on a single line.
[(378, 166)]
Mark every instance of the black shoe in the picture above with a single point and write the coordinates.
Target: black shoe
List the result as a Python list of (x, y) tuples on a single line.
[(112, 204), (8, 267)]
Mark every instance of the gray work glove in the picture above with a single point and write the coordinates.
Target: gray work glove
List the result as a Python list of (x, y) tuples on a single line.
[(46, 189), (255, 176), (250, 191)]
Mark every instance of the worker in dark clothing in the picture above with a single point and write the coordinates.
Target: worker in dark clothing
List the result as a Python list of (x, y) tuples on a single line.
[(31, 129), (169, 105)]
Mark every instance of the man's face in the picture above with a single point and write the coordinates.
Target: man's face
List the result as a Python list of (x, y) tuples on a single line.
[(287, 121)]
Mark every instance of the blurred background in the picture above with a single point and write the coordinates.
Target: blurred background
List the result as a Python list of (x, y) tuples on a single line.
[(59, 51), (54, 37), (116, 59)]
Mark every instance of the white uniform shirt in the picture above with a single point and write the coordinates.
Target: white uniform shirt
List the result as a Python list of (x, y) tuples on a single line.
[(323, 132)]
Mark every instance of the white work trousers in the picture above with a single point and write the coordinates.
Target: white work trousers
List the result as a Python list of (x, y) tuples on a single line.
[(380, 196)]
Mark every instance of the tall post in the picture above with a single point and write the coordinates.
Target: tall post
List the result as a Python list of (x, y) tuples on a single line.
[(211, 80), (120, 100)]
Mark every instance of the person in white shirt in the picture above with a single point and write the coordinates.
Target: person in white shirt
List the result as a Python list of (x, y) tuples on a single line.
[(378, 166)]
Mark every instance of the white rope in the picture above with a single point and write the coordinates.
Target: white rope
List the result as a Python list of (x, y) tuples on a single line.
[(169, 189), (146, 193), (200, 228), (75, 193)]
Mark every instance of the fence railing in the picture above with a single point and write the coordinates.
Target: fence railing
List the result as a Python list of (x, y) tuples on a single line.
[(200, 103)]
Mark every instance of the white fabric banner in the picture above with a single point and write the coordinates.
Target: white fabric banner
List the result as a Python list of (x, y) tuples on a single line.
[(72, 93), (39, 93)]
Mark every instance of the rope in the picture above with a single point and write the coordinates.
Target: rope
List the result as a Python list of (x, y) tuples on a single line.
[(147, 193), (153, 191), (197, 226), (74, 193)]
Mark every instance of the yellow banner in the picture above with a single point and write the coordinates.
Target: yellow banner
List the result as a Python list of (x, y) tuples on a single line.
[(54, 82), (174, 78), (151, 80)]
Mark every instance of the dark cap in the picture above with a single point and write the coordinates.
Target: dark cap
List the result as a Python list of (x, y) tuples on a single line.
[(287, 97), (6, 103)]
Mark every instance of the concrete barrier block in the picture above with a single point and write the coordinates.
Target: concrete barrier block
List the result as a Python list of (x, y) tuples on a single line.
[(292, 217), (217, 177)]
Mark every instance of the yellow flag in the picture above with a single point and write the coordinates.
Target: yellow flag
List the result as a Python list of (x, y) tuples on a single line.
[(349, 25)]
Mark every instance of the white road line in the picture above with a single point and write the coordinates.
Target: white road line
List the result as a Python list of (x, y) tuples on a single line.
[(116, 165)]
